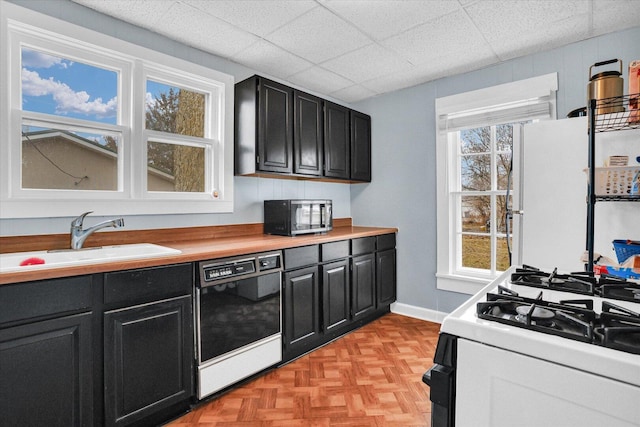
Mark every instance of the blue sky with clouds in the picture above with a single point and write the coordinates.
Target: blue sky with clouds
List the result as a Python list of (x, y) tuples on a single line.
[(58, 86)]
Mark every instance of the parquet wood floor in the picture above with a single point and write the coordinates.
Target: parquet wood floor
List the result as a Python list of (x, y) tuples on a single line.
[(370, 377)]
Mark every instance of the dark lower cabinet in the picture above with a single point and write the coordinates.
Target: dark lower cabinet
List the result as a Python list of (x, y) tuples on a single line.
[(147, 360), (333, 288), (335, 294), (301, 310), (46, 373), (386, 277), (363, 285)]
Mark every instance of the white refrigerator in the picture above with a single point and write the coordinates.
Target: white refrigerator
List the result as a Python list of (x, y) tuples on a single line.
[(554, 191)]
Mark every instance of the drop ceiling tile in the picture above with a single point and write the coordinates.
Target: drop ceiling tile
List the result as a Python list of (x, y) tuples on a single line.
[(259, 17), (557, 34), (318, 35), (268, 58), (353, 93), (382, 19), (320, 80), (194, 28), (624, 13), (366, 63), (450, 38), (144, 13), (500, 19)]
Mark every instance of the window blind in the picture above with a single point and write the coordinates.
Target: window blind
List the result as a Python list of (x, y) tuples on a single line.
[(537, 108), (528, 99)]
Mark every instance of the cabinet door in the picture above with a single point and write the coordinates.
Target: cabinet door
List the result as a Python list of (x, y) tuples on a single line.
[(360, 147), (335, 294), (363, 285), (301, 306), (275, 137), (46, 373), (148, 359), (386, 277), (337, 147), (307, 134)]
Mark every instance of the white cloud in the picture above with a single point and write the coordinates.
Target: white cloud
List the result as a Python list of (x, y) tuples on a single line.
[(66, 99), (35, 59), (150, 101)]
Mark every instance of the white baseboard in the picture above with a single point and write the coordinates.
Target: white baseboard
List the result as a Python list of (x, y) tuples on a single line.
[(418, 312)]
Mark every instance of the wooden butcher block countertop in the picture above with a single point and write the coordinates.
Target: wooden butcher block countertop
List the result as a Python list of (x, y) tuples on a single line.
[(196, 244)]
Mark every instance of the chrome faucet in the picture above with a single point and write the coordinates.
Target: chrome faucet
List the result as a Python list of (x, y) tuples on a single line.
[(78, 235)]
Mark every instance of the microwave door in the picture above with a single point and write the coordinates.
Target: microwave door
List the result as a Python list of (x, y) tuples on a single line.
[(303, 217)]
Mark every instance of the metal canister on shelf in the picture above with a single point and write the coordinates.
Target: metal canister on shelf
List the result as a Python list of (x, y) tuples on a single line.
[(607, 84)]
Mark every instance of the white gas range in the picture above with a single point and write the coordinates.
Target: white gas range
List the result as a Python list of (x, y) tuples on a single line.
[(511, 356)]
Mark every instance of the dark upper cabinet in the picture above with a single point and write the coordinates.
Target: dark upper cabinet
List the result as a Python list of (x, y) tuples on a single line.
[(360, 147), (281, 131), (337, 145), (308, 134), (263, 127)]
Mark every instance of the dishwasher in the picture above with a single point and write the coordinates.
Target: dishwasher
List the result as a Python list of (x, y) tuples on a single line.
[(238, 319)]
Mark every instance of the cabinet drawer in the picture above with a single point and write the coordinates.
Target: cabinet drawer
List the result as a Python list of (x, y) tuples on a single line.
[(386, 241), (23, 301), (363, 245), (147, 284), (334, 250), (301, 256)]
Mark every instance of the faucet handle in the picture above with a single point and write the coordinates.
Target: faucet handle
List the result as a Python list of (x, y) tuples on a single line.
[(78, 221)]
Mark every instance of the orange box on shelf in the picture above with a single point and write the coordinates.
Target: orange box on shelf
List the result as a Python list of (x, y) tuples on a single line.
[(634, 90)]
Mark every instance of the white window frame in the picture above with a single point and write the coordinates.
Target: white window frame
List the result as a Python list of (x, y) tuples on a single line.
[(510, 102), (20, 27)]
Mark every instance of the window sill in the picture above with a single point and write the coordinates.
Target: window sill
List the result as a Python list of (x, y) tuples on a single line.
[(461, 284)]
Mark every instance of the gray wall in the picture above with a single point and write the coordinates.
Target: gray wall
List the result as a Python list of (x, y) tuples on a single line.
[(402, 193)]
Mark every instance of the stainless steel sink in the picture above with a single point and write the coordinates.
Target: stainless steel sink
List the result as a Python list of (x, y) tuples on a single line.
[(11, 262)]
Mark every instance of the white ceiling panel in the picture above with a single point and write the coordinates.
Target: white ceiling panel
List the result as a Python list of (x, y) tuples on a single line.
[(192, 27), (624, 13), (259, 17), (355, 49), (271, 59), (500, 19), (320, 80), (452, 37), (366, 63), (318, 35), (137, 12), (353, 93), (382, 19)]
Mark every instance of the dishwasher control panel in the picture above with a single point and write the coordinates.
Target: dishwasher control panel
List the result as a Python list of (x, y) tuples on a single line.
[(219, 271)]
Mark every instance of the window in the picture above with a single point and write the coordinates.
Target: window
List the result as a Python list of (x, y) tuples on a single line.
[(484, 227), (478, 183), (94, 123)]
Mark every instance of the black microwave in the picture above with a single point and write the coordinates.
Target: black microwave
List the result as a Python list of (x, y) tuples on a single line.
[(293, 217)]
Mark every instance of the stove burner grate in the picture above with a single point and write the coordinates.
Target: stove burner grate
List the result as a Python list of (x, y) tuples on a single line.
[(569, 322), (619, 329)]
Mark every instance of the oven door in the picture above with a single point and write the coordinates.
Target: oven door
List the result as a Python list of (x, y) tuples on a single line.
[(496, 387), (235, 314)]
